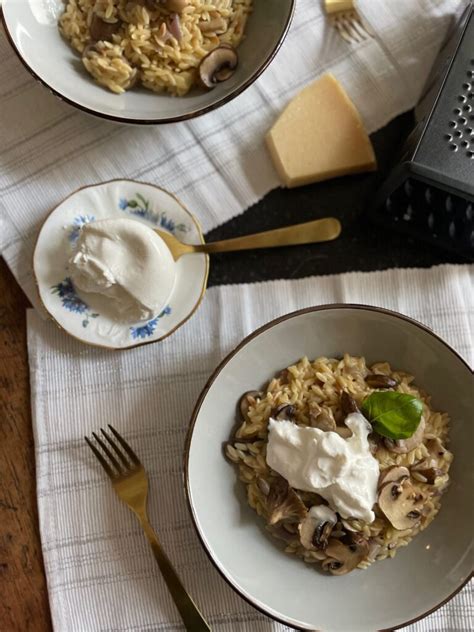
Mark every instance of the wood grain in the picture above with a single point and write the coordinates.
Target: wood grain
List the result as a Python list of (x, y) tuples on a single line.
[(23, 595)]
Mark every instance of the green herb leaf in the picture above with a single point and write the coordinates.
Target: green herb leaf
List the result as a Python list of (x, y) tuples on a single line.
[(393, 415)]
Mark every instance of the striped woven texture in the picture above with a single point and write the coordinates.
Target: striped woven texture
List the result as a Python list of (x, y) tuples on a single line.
[(101, 574)]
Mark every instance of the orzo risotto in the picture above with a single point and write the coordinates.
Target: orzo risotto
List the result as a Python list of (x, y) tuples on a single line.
[(165, 45), (359, 460)]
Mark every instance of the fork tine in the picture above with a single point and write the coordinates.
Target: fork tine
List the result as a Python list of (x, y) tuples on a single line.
[(115, 463), (100, 458), (116, 449), (133, 457)]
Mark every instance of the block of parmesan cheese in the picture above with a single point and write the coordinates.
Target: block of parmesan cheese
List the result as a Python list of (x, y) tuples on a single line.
[(320, 135)]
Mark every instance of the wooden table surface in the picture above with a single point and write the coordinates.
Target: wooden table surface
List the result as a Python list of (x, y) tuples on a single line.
[(23, 595)]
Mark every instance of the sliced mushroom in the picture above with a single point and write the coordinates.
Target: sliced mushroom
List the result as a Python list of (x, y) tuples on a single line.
[(377, 380), (343, 431), (321, 417), (283, 376), (402, 446), (348, 404), (435, 447), (395, 473), (283, 503), (218, 65), (401, 503), (430, 474), (316, 528), (343, 558), (100, 30), (245, 402), (176, 6), (284, 412)]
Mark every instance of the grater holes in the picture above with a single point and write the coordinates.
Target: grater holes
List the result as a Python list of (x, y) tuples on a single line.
[(458, 133), (453, 147), (467, 108), (462, 98), (466, 144), (470, 154), (462, 120), (453, 124), (466, 86), (457, 111)]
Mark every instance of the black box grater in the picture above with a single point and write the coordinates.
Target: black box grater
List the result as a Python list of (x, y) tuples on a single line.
[(430, 192)]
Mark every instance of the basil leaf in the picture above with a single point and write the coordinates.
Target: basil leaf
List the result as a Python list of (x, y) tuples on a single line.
[(393, 415)]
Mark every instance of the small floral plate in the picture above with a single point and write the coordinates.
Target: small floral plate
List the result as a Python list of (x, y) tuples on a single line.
[(82, 315)]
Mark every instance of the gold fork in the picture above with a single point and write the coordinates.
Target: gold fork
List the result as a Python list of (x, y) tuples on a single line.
[(130, 482), (346, 20)]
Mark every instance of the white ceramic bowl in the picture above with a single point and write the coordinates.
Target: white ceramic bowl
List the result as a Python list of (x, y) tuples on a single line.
[(86, 317), (31, 27), (390, 593)]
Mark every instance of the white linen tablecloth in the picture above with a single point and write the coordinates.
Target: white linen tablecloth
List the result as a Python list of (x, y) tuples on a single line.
[(217, 164), (101, 574)]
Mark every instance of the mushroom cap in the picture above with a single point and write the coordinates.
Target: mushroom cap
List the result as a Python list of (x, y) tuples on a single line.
[(401, 503), (244, 403), (283, 502), (218, 65), (378, 380), (321, 417), (284, 412), (348, 404), (394, 473), (343, 558), (402, 446), (100, 30), (317, 526)]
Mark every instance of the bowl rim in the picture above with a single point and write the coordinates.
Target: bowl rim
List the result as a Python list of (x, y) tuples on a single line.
[(157, 121), (192, 217), (215, 374)]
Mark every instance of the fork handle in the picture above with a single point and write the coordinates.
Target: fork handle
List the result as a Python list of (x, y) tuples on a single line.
[(192, 618)]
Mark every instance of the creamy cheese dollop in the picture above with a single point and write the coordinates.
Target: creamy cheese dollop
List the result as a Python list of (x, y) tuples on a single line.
[(343, 471), (127, 262)]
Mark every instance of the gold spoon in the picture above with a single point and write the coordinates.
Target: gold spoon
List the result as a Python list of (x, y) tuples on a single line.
[(318, 230)]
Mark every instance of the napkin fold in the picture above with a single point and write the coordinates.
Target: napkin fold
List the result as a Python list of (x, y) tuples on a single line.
[(100, 572), (217, 164)]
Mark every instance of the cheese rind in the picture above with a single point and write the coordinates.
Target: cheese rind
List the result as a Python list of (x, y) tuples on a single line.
[(320, 135)]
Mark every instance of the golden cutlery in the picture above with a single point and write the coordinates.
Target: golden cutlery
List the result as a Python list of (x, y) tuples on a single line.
[(346, 20), (310, 232), (130, 482)]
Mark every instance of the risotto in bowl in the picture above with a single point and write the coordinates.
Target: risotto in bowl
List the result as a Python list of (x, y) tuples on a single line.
[(147, 61), (327, 457)]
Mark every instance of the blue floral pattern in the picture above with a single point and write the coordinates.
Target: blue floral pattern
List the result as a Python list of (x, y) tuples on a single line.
[(77, 225), (71, 301), (140, 207), (148, 329)]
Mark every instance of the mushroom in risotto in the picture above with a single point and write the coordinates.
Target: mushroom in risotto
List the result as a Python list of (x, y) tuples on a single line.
[(283, 502), (218, 65), (401, 503), (315, 530), (343, 558)]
